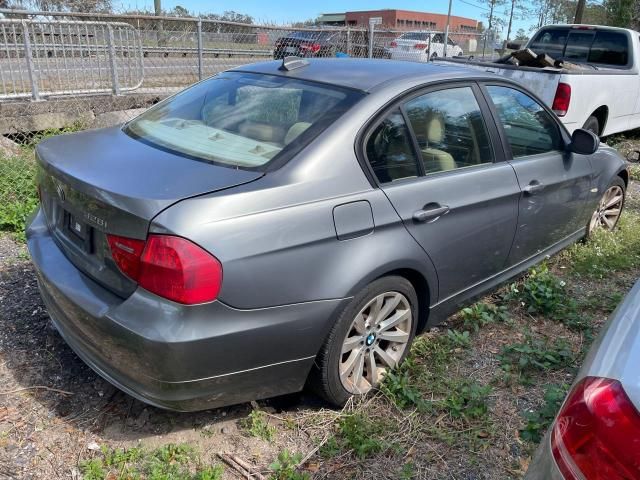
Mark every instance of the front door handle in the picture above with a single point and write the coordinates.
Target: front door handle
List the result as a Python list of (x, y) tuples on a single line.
[(430, 213), (533, 188)]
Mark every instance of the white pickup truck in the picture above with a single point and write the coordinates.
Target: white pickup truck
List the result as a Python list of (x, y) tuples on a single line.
[(602, 96)]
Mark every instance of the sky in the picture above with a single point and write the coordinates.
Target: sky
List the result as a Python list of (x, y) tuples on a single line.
[(286, 11)]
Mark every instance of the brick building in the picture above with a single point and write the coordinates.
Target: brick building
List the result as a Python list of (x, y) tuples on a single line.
[(408, 20)]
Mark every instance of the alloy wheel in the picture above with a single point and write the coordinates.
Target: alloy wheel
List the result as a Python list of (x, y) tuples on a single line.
[(609, 209), (375, 342)]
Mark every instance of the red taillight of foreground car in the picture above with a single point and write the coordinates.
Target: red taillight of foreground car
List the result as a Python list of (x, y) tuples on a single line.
[(562, 99), (171, 267), (597, 433)]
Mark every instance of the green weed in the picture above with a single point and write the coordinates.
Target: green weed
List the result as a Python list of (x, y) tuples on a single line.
[(539, 420), (361, 434), (459, 339), (285, 467), (535, 354), (400, 388), (481, 314), (169, 462), (467, 399), (606, 252), (257, 425), (18, 194), (540, 293)]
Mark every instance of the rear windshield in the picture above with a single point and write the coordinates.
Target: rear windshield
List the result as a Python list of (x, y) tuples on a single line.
[(415, 36), (597, 47), (242, 119)]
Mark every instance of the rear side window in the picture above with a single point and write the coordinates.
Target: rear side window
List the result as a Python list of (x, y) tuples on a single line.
[(242, 119), (390, 151), (450, 130), (530, 130), (599, 47)]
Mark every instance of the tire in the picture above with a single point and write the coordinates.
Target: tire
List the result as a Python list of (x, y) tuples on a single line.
[(592, 124), (325, 377), (600, 218), (434, 55)]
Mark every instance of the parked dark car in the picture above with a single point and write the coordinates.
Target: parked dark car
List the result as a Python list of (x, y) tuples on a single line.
[(597, 431), (307, 43), (302, 220), (316, 43)]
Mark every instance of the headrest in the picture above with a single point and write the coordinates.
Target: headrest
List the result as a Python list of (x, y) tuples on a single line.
[(435, 128), (295, 131)]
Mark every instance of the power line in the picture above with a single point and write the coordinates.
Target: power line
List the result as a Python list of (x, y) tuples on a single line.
[(475, 5)]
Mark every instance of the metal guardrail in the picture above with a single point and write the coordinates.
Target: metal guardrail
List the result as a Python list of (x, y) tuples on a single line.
[(39, 58)]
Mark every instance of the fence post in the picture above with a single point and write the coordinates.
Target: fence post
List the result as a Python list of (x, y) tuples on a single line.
[(372, 27), (115, 85), (33, 78), (430, 37), (348, 52), (199, 29)]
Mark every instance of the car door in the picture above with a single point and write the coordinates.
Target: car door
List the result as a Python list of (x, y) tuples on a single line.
[(555, 183), (434, 158)]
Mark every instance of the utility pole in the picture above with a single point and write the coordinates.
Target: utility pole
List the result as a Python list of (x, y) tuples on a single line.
[(446, 29), (579, 11)]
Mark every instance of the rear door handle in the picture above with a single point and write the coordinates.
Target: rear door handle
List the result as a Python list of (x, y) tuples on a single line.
[(431, 213), (533, 188)]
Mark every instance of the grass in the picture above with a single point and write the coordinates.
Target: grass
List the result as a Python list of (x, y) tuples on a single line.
[(535, 355), (18, 193), (537, 421), (606, 252), (169, 462)]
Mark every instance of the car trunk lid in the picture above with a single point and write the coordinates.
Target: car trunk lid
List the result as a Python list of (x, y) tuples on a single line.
[(103, 182)]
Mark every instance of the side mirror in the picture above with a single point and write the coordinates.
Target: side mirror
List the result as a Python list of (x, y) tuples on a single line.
[(584, 142), (514, 45)]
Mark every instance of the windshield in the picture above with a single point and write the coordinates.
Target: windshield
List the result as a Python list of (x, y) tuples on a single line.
[(241, 119), (583, 45)]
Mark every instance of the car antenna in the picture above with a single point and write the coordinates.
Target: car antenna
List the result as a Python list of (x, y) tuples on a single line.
[(291, 63)]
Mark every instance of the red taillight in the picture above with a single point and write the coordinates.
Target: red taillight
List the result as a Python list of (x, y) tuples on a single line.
[(420, 46), (126, 253), (393, 44), (314, 47), (171, 267), (597, 433), (562, 99)]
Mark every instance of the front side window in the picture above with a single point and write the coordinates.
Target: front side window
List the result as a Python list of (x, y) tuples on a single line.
[(530, 130), (241, 119), (390, 151), (450, 130)]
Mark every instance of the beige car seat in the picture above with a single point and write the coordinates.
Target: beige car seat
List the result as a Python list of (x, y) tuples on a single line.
[(295, 131), (434, 159)]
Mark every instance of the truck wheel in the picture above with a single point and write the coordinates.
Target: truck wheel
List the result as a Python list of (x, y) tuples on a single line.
[(592, 124)]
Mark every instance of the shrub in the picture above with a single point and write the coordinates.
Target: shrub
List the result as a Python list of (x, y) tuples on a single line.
[(285, 467), (359, 433)]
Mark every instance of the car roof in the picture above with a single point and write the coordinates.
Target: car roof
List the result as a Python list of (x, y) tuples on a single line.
[(363, 73)]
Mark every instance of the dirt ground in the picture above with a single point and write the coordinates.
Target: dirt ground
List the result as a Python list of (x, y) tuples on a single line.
[(55, 412)]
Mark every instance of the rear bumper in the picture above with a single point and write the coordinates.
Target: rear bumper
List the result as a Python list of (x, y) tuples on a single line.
[(173, 356), (543, 466)]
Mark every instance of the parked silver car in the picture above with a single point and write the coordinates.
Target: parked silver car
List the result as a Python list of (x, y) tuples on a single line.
[(597, 432), (295, 220)]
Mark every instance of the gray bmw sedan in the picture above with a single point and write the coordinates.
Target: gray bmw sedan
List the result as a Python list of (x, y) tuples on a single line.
[(295, 222)]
